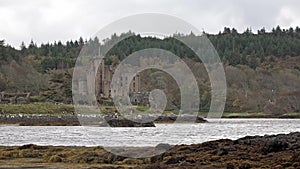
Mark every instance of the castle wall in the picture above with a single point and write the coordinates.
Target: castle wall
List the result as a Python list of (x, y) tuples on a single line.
[(103, 76)]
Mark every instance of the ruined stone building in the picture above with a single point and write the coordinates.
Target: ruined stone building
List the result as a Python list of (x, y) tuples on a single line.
[(103, 79), (14, 98), (102, 74)]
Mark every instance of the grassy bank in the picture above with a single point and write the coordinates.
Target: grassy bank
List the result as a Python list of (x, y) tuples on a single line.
[(37, 108), (68, 109), (261, 115), (57, 109), (255, 115)]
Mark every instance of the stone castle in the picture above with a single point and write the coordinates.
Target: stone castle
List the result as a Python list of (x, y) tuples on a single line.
[(104, 77), (103, 74)]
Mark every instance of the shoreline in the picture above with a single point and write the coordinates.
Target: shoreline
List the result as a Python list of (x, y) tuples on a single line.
[(269, 151), (50, 120), (48, 114), (264, 116)]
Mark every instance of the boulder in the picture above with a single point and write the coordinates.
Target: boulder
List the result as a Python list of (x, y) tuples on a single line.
[(128, 123)]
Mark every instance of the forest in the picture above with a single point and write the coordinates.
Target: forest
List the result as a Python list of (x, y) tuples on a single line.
[(234, 48), (250, 58)]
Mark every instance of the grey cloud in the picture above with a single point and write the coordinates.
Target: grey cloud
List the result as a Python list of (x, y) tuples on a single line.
[(51, 20)]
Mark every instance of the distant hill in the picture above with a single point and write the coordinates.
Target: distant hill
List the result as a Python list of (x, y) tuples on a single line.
[(262, 69)]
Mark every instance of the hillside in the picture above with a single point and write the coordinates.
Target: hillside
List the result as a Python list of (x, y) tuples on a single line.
[(262, 69)]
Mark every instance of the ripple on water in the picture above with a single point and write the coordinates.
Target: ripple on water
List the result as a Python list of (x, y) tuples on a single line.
[(163, 133)]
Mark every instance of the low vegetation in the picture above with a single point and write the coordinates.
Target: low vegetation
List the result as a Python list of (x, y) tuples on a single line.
[(50, 109), (37, 109), (275, 151)]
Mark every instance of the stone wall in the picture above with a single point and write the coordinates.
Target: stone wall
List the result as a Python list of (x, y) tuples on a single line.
[(14, 98)]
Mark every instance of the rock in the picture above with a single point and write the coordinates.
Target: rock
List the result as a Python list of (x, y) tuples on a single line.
[(182, 119), (27, 146), (163, 146), (274, 145), (200, 120), (128, 123), (31, 146), (222, 151)]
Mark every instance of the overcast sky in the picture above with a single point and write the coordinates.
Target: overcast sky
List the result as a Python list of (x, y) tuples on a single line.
[(50, 20)]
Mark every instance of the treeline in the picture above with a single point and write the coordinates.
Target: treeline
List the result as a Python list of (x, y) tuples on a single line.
[(234, 48), (8, 53), (251, 49)]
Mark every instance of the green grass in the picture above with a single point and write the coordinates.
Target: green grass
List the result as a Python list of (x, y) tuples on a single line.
[(142, 108), (293, 114), (246, 114), (236, 114), (67, 109), (37, 108)]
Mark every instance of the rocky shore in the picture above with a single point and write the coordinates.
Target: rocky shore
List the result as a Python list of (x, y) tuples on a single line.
[(128, 123), (39, 120), (273, 151), (72, 120)]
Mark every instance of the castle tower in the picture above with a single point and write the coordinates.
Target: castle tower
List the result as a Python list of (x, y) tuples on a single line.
[(104, 77)]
